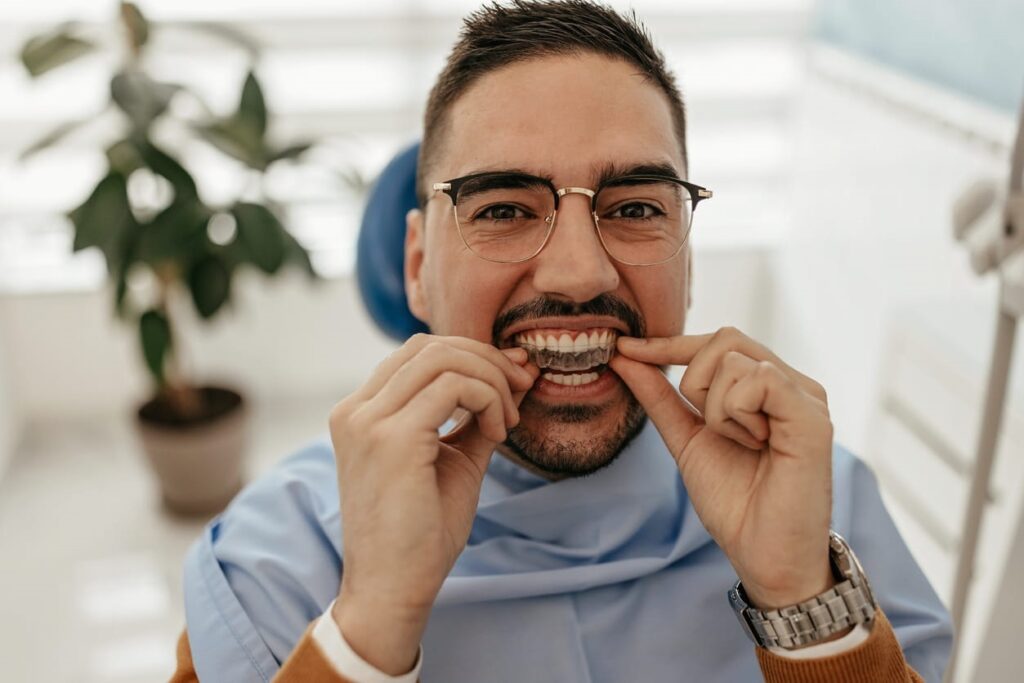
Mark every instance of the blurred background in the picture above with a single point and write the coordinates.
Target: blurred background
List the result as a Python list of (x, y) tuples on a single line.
[(837, 136)]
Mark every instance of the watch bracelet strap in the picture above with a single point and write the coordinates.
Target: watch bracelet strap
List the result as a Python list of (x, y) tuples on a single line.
[(811, 621)]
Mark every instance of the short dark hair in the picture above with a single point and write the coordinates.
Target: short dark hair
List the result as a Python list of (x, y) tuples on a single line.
[(497, 35)]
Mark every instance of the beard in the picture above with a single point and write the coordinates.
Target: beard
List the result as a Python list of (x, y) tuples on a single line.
[(571, 440), (575, 456)]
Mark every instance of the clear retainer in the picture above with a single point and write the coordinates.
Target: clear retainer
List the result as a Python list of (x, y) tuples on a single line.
[(563, 360)]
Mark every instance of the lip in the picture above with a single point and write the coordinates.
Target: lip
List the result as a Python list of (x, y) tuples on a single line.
[(603, 385), (573, 323)]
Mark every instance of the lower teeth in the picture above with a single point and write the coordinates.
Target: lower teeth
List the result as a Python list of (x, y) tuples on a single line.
[(571, 380)]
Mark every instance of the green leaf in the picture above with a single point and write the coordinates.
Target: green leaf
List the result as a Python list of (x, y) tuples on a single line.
[(178, 233), (140, 97), (155, 336), (120, 274), (298, 254), (290, 152), (135, 23), (43, 53), (252, 109), (231, 138), (209, 281), (167, 166), (260, 235), (104, 219)]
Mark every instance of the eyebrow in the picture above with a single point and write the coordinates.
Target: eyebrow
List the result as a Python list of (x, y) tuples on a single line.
[(603, 172)]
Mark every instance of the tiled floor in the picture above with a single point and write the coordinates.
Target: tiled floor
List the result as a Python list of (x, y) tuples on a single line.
[(90, 565)]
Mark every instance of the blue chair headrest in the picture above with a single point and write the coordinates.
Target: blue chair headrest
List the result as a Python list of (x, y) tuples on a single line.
[(380, 252)]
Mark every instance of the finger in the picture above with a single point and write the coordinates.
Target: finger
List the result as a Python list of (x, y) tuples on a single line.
[(465, 421), (424, 368), (768, 394), (431, 407), (704, 361), (738, 433), (675, 421), (418, 342), (678, 350), (734, 367), (534, 372)]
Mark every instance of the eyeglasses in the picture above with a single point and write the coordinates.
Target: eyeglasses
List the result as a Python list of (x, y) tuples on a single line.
[(507, 217)]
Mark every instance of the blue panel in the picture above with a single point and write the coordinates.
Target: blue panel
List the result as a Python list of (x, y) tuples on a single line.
[(974, 47), (380, 251)]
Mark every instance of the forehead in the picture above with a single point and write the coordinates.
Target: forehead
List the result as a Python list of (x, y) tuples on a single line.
[(562, 116)]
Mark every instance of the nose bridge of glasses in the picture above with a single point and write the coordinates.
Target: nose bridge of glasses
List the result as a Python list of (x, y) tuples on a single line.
[(585, 191), (563, 214)]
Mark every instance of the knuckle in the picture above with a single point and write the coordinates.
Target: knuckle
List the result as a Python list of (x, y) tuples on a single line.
[(715, 415), (419, 339), (448, 381), (434, 348), (357, 422), (340, 411), (818, 391), (728, 333), (766, 369)]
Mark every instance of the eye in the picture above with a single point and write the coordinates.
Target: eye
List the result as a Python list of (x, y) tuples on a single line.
[(502, 212), (636, 211)]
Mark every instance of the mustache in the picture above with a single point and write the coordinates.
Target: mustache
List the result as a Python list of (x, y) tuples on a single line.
[(544, 307)]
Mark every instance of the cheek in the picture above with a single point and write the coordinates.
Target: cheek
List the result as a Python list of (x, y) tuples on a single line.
[(661, 296), (468, 294)]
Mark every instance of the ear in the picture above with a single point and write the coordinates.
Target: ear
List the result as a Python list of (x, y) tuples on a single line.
[(415, 272)]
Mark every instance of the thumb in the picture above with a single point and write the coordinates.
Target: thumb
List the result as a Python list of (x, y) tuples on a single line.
[(676, 421)]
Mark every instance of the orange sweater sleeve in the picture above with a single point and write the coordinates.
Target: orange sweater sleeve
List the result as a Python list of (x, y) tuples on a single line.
[(306, 664), (878, 659)]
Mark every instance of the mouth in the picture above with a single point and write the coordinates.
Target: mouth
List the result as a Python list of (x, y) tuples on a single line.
[(567, 357)]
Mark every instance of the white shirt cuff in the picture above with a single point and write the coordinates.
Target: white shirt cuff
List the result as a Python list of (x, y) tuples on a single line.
[(346, 662), (851, 640)]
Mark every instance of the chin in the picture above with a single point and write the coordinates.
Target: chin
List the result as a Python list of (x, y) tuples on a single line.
[(574, 439)]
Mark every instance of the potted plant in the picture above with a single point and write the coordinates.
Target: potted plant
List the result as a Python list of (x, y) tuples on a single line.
[(150, 220)]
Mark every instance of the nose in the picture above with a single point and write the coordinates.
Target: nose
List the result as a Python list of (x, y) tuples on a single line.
[(574, 263)]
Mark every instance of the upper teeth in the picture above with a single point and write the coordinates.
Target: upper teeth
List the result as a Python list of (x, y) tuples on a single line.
[(596, 339)]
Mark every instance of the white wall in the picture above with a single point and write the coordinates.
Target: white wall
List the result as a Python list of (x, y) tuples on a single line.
[(282, 339), (874, 186), (10, 414)]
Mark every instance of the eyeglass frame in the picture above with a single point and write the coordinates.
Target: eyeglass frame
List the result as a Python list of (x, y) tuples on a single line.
[(452, 187)]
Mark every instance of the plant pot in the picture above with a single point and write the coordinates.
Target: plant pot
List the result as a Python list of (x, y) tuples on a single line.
[(198, 462)]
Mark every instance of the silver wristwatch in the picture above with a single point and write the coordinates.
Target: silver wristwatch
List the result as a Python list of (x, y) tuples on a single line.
[(848, 603)]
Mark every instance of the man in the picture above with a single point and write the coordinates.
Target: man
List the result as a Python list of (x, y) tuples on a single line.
[(554, 532)]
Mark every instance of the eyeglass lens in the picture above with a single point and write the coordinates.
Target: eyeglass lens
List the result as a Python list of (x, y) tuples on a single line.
[(640, 221)]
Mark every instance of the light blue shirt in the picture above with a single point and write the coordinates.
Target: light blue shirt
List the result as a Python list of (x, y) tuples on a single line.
[(599, 579)]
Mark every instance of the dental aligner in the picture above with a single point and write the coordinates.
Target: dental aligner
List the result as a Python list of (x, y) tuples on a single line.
[(563, 360)]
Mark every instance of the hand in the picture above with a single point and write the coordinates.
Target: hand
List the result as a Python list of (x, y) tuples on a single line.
[(408, 497), (757, 461)]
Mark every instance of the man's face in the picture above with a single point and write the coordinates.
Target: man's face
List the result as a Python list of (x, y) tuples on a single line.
[(565, 117)]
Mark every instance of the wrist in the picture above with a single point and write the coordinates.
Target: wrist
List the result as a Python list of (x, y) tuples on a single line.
[(385, 637), (808, 620), (768, 598)]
